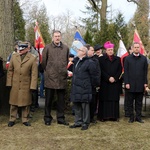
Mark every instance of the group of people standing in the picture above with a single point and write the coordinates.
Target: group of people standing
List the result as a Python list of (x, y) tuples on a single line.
[(96, 82)]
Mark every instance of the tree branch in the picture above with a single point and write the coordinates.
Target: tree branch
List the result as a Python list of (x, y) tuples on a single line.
[(134, 1), (92, 2)]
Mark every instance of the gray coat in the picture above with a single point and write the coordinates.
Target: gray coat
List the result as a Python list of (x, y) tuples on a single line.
[(54, 63)]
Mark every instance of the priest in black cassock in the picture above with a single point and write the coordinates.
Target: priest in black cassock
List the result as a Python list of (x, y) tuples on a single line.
[(110, 85)]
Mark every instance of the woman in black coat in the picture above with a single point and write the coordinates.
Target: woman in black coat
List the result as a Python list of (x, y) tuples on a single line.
[(110, 85)]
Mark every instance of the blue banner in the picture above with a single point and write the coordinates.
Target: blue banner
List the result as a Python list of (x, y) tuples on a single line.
[(77, 43)]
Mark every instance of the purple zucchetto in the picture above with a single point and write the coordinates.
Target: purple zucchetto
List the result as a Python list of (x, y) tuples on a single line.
[(108, 44)]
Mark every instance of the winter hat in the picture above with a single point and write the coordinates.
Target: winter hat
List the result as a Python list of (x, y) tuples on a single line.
[(97, 47)]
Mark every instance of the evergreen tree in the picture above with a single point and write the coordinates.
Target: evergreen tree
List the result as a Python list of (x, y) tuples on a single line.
[(111, 28), (19, 22), (88, 38)]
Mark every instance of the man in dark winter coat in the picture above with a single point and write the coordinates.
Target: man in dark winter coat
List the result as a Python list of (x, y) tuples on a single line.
[(54, 62), (135, 78), (93, 104), (84, 78)]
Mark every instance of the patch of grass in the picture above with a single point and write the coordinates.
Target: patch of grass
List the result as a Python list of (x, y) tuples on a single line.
[(101, 136)]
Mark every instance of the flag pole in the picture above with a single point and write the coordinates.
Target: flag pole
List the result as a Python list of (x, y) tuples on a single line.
[(118, 33)]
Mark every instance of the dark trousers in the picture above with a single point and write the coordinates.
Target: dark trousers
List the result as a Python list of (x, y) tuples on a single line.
[(126, 102), (82, 113), (60, 104), (35, 103), (93, 106), (138, 97)]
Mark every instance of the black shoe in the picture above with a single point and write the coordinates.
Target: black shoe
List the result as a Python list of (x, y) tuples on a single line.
[(11, 123), (84, 127), (26, 123), (63, 123), (47, 123), (131, 120), (74, 126), (139, 120)]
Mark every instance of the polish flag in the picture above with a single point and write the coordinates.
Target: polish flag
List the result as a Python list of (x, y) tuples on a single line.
[(122, 52), (138, 39), (39, 42)]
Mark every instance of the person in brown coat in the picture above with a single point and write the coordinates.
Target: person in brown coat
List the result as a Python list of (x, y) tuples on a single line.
[(22, 79), (54, 62)]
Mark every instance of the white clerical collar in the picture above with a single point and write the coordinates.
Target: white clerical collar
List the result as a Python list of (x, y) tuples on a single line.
[(136, 54)]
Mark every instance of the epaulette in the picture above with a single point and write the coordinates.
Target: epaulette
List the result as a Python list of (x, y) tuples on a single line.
[(13, 52), (33, 55)]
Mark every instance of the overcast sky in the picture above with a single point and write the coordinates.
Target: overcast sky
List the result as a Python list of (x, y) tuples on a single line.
[(56, 7)]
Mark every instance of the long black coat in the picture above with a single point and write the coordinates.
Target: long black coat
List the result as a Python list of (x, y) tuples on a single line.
[(96, 61), (84, 78), (110, 91), (135, 72)]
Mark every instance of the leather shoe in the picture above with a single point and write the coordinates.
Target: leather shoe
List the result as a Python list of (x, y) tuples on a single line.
[(11, 123), (84, 127), (63, 123), (26, 123), (74, 126), (131, 120), (47, 123), (139, 120)]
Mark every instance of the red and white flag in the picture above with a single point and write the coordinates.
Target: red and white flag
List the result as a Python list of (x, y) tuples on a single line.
[(138, 39), (122, 52), (39, 42)]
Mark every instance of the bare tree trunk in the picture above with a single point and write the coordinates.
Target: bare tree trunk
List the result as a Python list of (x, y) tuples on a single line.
[(6, 28), (6, 46), (100, 10), (103, 12)]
